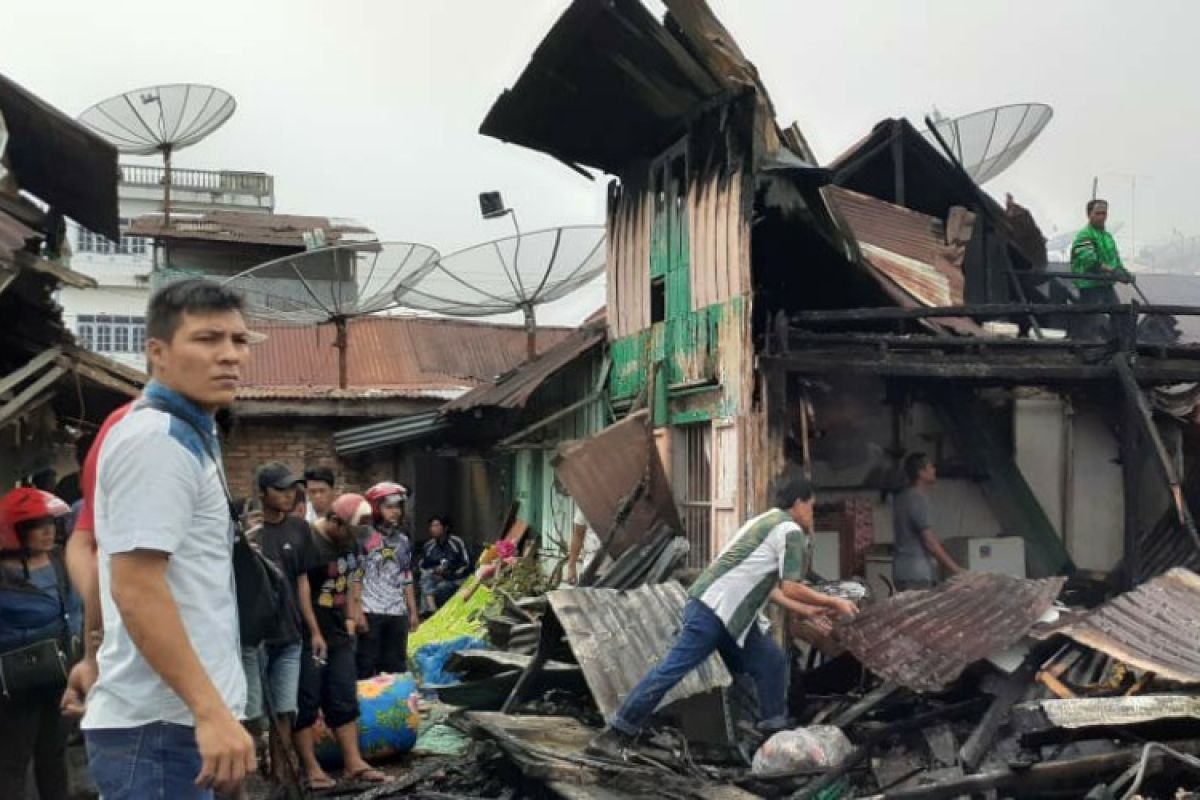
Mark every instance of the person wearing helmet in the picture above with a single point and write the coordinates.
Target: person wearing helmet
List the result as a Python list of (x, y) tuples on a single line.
[(328, 673), (36, 605), (388, 598)]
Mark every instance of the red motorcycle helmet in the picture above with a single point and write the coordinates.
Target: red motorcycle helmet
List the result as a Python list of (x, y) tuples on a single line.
[(381, 492), (21, 505)]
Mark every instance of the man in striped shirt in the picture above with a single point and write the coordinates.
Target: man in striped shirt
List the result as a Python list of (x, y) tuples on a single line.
[(767, 559)]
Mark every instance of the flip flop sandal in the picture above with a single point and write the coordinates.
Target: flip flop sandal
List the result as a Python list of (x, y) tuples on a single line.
[(368, 775), (319, 784)]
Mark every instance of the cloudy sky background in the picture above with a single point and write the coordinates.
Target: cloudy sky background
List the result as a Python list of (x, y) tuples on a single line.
[(369, 108)]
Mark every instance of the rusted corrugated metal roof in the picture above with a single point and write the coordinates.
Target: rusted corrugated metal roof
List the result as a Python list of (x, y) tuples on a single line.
[(924, 640), (617, 636), (1155, 627), (907, 246), (604, 471), (514, 389), (281, 230), (390, 356)]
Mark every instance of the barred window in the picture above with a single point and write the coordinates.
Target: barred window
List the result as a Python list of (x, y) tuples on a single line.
[(102, 333), (88, 242)]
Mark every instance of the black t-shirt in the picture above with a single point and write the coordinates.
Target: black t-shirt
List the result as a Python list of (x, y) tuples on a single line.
[(336, 570), (288, 545)]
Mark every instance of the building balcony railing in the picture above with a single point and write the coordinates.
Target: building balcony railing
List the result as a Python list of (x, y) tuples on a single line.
[(258, 184)]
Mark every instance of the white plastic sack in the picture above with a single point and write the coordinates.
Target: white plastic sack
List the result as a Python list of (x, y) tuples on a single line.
[(803, 748)]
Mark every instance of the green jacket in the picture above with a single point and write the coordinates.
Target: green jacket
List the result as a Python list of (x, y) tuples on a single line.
[(1094, 252)]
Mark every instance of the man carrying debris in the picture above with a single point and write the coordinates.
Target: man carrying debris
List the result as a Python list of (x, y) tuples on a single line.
[(916, 545), (767, 559)]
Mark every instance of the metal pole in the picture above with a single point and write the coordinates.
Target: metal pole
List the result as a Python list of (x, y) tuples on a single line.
[(530, 331), (166, 185), (340, 342)]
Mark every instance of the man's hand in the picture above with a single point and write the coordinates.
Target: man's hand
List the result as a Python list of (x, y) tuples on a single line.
[(841, 607), (360, 623), (79, 683), (320, 650), (414, 623), (351, 626), (572, 573), (227, 752)]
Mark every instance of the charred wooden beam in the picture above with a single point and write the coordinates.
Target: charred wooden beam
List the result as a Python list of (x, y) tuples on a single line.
[(982, 311)]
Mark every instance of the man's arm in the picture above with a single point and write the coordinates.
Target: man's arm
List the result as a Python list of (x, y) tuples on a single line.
[(85, 576), (574, 550), (151, 616), (806, 595), (933, 546), (319, 648), (414, 612)]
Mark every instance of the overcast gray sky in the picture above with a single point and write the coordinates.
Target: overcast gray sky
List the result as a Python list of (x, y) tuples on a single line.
[(369, 108)]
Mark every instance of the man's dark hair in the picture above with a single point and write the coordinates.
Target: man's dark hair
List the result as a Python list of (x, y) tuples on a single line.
[(438, 518), (914, 465), (190, 296), (323, 474), (1095, 202), (791, 490)]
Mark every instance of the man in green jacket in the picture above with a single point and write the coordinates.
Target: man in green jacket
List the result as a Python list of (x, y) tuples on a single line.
[(1094, 253)]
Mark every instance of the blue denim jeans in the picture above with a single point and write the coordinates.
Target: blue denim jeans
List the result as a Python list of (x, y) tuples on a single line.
[(280, 664), (701, 634), (159, 760)]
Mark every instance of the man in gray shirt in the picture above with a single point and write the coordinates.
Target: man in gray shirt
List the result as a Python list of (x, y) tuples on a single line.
[(916, 545)]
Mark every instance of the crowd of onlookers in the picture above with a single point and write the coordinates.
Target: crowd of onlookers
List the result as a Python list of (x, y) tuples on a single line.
[(131, 608)]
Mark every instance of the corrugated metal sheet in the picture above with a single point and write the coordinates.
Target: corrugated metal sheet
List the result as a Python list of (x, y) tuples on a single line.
[(1155, 627), (61, 161), (907, 246), (618, 636), (514, 389), (390, 432), (924, 640), (1086, 712), (431, 392), (603, 472), (406, 356), (283, 230)]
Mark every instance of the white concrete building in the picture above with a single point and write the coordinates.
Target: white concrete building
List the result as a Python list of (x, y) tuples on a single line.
[(111, 318)]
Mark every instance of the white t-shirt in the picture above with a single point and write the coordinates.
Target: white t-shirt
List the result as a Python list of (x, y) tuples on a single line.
[(157, 489)]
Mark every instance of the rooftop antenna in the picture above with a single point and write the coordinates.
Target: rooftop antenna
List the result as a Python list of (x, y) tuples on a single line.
[(331, 286), (988, 142), (516, 273), (160, 119)]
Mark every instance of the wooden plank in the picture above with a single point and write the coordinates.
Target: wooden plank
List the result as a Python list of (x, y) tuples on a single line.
[(33, 366), (738, 268), (699, 245), (15, 406), (721, 240)]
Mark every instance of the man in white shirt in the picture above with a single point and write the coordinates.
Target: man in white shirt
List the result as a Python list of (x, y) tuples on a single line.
[(162, 720)]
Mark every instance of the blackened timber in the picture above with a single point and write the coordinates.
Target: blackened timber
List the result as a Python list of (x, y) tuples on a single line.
[(981, 365), (1166, 465), (981, 310), (1013, 688)]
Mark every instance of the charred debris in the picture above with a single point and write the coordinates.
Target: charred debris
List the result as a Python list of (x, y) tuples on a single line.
[(807, 314)]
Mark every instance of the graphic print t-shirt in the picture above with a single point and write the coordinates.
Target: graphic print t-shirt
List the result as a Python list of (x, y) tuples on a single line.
[(330, 585)]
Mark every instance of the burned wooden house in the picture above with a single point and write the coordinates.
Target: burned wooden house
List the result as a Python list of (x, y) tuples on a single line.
[(776, 314)]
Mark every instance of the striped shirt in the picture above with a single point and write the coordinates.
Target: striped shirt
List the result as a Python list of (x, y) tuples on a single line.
[(736, 586)]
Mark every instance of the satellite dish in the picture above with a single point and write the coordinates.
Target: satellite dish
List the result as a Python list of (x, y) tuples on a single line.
[(330, 286), (516, 273), (160, 119), (987, 142)]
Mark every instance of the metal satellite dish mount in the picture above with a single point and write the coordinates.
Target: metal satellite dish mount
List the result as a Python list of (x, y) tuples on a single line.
[(160, 119), (515, 273)]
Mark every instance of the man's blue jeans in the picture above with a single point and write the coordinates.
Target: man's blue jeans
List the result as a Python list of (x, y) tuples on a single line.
[(701, 634), (150, 761)]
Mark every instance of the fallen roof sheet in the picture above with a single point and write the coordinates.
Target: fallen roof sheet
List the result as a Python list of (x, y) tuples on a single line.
[(605, 472), (618, 636), (514, 389), (1155, 627), (907, 246), (248, 227), (924, 640), (62, 162)]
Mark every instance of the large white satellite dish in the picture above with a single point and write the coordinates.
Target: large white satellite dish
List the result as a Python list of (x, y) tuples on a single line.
[(988, 142), (160, 119)]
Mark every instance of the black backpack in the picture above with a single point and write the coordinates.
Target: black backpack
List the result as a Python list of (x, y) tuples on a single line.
[(261, 586)]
